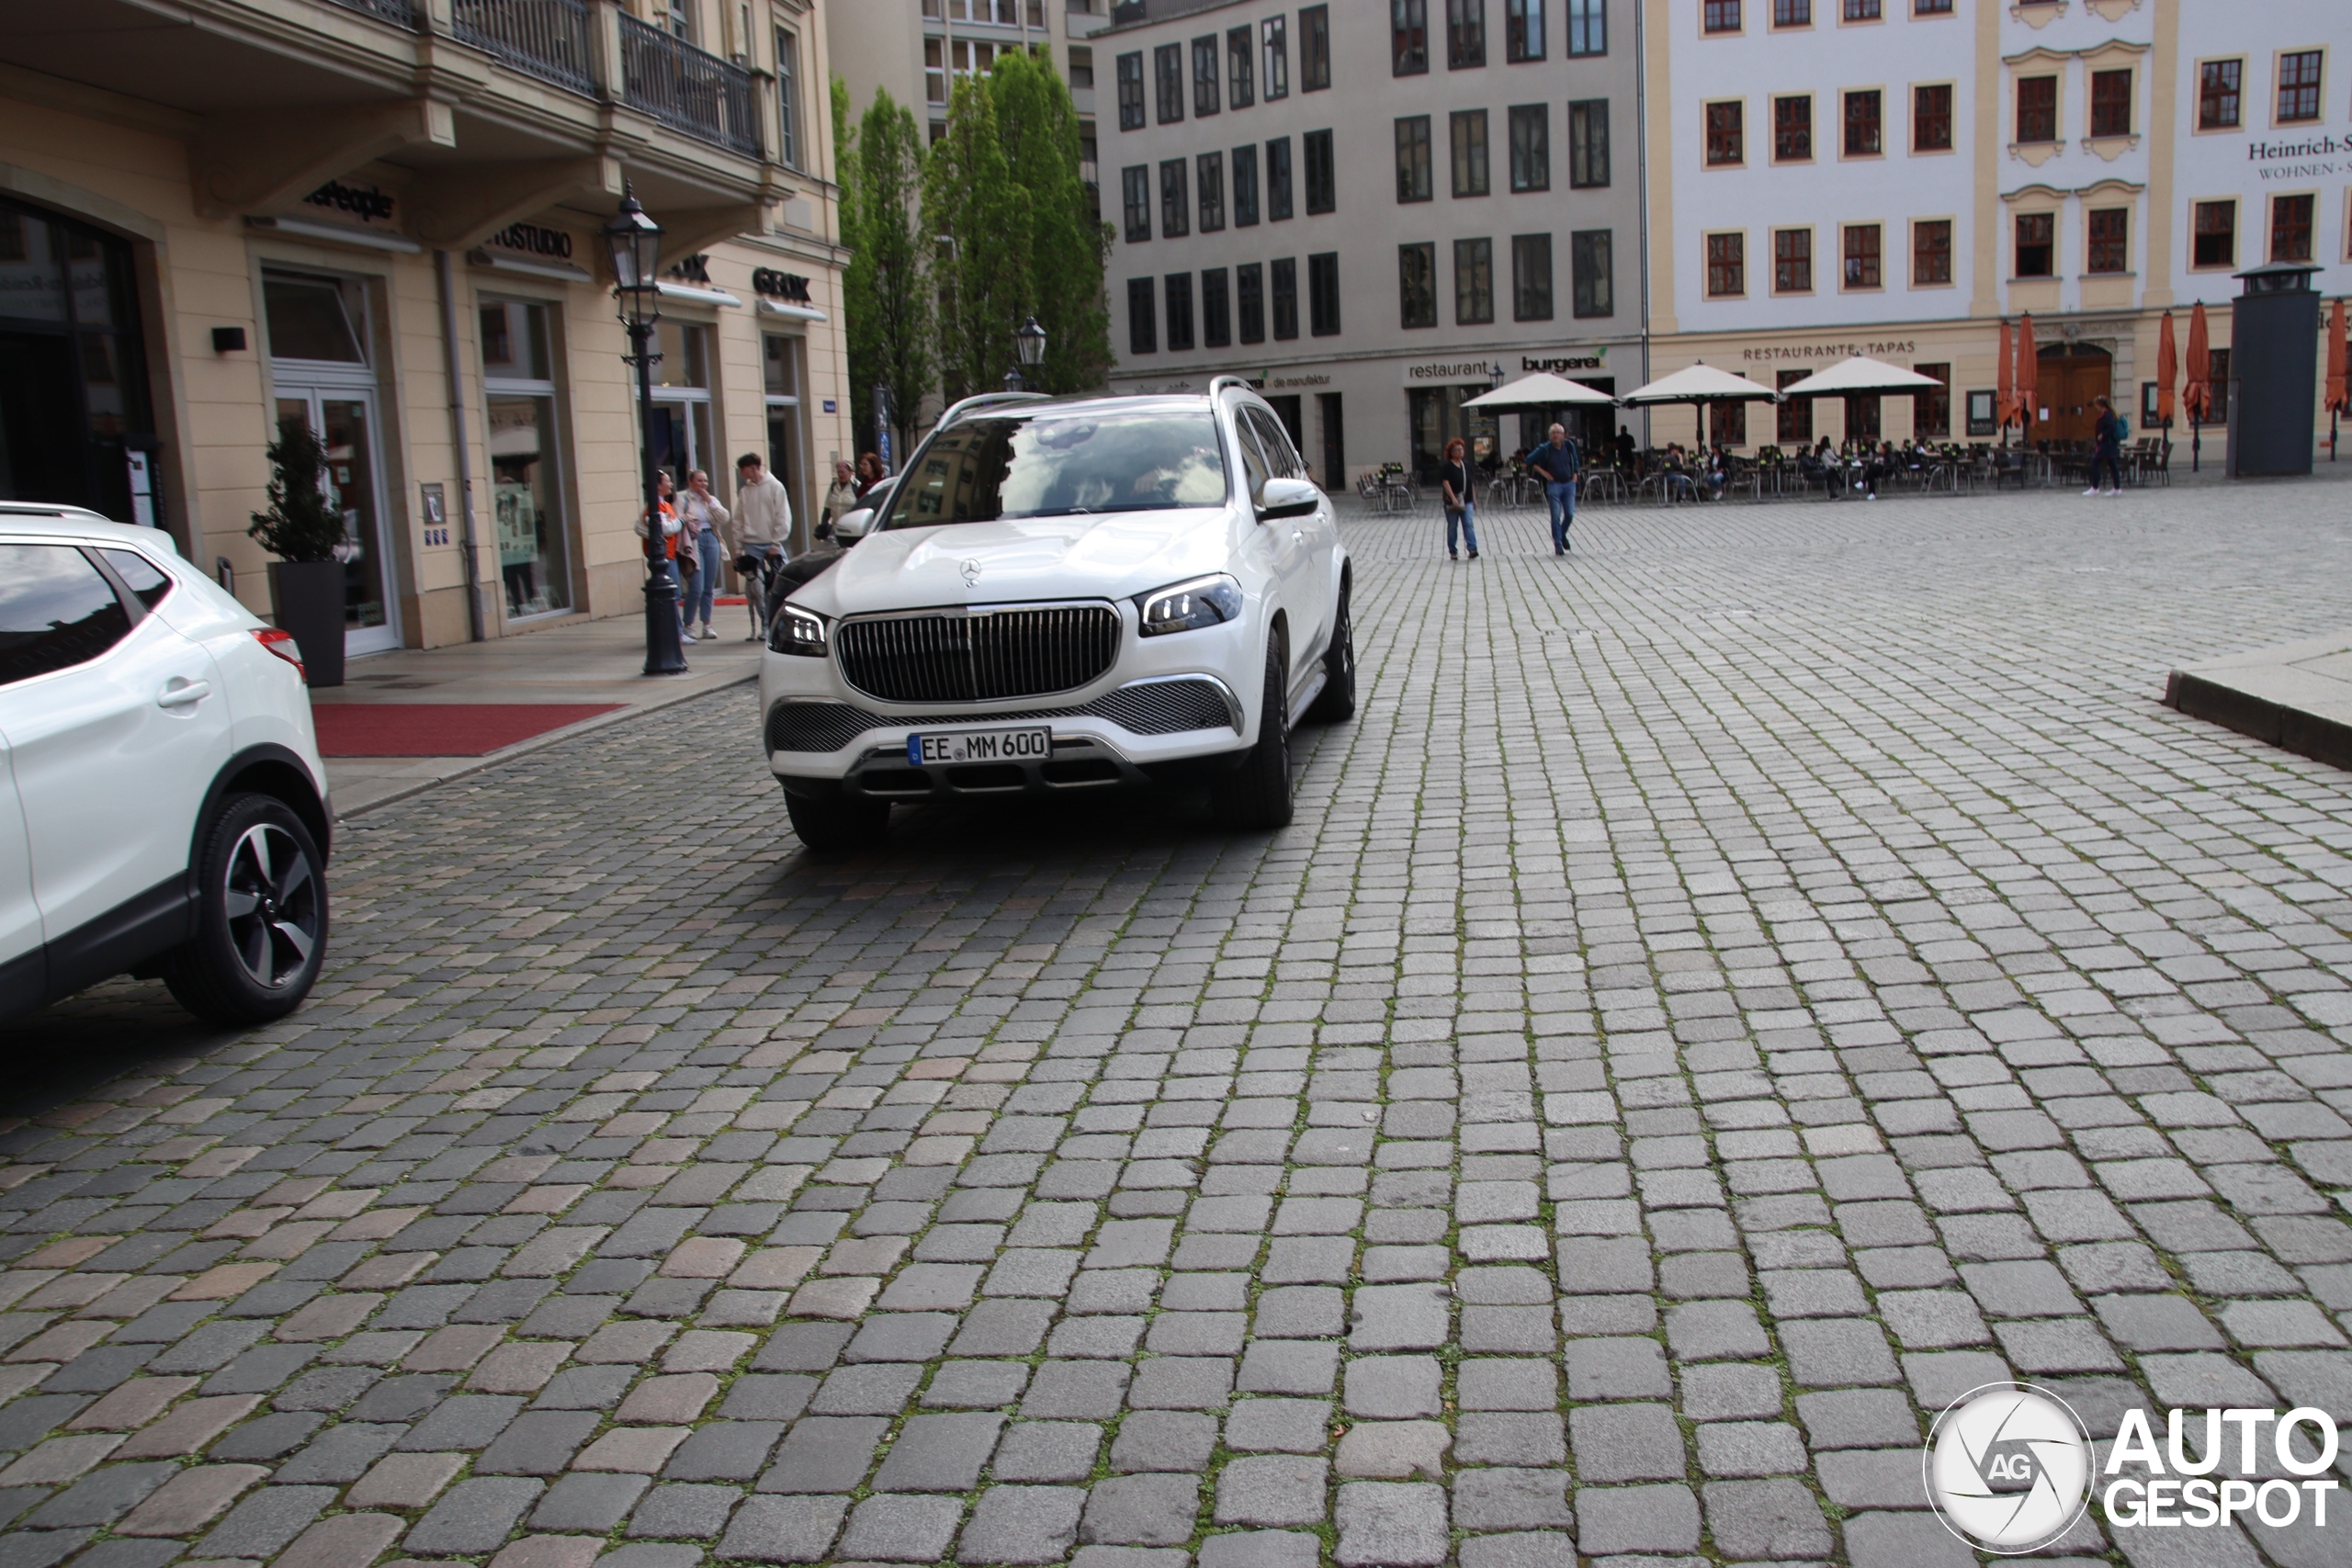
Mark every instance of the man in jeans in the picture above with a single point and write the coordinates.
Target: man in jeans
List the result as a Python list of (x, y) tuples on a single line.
[(1559, 462), (762, 533)]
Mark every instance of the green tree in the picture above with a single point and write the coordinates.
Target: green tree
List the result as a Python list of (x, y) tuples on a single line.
[(982, 217), (887, 284), (1037, 124)]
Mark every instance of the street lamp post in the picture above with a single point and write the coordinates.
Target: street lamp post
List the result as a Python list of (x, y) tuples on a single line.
[(635, 242), (1028, 353)]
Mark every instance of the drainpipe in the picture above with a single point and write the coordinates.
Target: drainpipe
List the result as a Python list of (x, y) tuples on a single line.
[(469, 547), (1642, 180)]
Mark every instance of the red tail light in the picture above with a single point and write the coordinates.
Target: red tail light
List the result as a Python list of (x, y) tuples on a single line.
[(281, 643)]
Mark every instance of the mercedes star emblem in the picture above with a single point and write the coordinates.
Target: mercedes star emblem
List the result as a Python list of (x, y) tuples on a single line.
[(971, 575)]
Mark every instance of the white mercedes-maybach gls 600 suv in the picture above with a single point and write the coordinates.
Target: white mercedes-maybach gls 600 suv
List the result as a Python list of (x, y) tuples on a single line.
[(1066, 594)]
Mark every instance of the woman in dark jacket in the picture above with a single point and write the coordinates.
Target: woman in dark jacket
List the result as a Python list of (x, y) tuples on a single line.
[(1455, 477)]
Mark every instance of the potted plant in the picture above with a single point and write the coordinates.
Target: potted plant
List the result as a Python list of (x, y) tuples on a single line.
[(303, 530)]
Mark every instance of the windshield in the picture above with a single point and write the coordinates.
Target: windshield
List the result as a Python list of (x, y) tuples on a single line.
[(1060, 463)]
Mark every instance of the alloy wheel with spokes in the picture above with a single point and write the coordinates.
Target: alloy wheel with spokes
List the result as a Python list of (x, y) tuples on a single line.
[(271, 898), (261, 915)]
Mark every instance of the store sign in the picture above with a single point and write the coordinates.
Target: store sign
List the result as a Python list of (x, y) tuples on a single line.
[(369, 204), (692, 269), (530, 239), (1771, 352), (777, 285), (1596, 360), (1456, 370), (1280, 382)]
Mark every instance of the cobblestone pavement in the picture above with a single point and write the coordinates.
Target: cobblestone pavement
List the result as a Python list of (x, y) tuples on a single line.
[(1731, 991)]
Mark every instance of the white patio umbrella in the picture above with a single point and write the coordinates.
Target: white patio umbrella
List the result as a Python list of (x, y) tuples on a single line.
[(1541, 391), (1698, 384), (1859, 377)]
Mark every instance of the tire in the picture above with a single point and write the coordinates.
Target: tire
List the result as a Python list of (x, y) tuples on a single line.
[(1255, 797), (1337, 705), (260, 927), (837, 825)]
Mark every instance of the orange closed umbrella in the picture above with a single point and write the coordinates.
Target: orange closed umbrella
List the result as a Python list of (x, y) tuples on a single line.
[(2167, 368), (2029, 369), (2196, 397), (2006, 399)]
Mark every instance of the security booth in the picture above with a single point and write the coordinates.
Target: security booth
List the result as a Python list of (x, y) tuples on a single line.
[(2274, 367)]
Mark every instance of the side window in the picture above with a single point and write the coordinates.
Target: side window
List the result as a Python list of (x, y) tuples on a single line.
[(1253, 461), (56, 611), (145, 580), (1280, 456)]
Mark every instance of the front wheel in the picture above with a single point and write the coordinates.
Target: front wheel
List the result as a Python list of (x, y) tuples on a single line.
[(261, 933), (837, 825), (1256, 796), (1337, 705)]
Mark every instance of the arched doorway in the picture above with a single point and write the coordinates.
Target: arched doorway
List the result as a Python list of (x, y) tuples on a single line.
[(2070, 376)]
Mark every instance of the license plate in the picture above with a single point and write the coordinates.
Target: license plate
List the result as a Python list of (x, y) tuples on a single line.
[(981, 745)]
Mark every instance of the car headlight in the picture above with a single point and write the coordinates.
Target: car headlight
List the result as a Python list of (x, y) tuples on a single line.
[(1188, 606), (797, 631)]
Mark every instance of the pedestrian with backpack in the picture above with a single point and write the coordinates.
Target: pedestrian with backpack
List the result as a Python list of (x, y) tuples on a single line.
[(1556, 463)]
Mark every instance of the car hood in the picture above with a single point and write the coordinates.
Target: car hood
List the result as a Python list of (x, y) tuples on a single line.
[(1106, 556)]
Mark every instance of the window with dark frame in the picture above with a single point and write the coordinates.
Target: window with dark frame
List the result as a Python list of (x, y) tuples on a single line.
[(1531, 147), (1466, 34), (2108, 232), (1467, 141), (1208, 177), (1278, 179), (2215, 241), (1168, 67), (2037, 109), (1282, 279), (1592, 281), (2110, 103), (1413, 179), (1795, 424), (1793, 128), (1240, 67), (1274, 35), (1131, 91), (1523, 30), (1323, 294), (1180, 311), (1245, 186), (1531, 278), (1249, 300), (1792, 13), (1931, 8), (1930, 253), (1720, 16), (1205, 76), (1217, 308), (1862, 10), (2292, 221), (1143, 314), (1587, 29), (1726, 134), (1408, 37), (1175, 199), (1792, 261), (1865, 124), (1589, 143), (2218, 97), (1416, 283), (1726, 266), (2299, 78), (1474, 283), (1322, 177), (1931, 408), (1314, 48), (1931, 118), (2037, 248), (1864, 254), (1135, 190)]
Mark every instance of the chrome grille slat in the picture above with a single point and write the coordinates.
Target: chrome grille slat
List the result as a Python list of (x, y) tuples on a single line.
[(950, 658)]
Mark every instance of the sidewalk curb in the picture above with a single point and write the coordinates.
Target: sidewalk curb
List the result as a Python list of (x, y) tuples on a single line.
[(542, 742)]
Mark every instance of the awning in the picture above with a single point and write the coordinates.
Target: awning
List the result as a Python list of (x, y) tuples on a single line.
[(694, 294), (790, 312), (561, 271), (337, 233)]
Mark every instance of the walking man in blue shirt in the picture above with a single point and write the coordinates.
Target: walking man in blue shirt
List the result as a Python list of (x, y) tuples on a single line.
[(1559, 462)]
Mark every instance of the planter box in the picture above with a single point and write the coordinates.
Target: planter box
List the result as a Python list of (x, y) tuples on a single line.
[(309, 598)]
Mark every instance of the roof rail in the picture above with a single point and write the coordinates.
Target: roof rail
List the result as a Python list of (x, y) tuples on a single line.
[(987, 399), (1219, 383)]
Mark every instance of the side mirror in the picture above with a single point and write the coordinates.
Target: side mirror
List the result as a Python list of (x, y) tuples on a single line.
[(1288, 497), (850, 528)]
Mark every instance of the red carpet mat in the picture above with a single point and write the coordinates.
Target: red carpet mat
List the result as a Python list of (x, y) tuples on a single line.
[(439, 730)]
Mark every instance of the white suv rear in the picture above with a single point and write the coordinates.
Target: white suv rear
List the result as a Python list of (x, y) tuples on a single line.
[(163, 807)]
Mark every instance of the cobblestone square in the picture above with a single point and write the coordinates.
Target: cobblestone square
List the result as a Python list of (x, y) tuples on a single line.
[(1729, 993)]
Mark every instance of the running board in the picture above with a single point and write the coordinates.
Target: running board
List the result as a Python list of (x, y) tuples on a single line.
[(1306, 700)]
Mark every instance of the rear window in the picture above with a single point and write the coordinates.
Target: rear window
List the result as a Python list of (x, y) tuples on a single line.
[(1062, 463)]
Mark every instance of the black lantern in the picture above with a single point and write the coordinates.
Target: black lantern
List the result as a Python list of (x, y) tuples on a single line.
[(1028, 353), (635, 242)]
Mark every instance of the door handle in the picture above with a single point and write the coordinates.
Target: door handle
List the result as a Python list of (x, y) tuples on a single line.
[(1298, 535), (180, 691)]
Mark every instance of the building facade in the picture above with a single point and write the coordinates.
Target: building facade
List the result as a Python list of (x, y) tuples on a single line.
[(379, 218), (916, 50), (1375, 213)]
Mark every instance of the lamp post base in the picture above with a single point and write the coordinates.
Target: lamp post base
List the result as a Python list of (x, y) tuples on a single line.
[(665, 652)]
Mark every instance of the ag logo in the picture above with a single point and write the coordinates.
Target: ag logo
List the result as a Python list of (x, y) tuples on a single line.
[(2008, 1468)]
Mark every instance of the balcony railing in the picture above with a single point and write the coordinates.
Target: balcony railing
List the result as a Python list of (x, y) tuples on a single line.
[(400, 12), (686, 89), (551, 40)]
